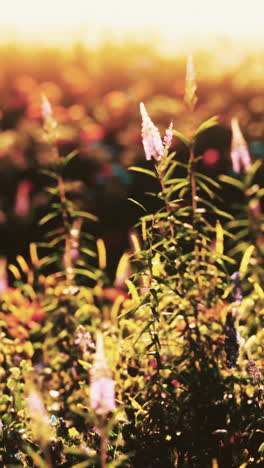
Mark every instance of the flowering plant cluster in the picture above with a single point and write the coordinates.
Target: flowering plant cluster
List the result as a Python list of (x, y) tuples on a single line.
[(161, 367)]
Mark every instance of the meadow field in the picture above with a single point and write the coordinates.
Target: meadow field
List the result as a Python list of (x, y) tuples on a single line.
[(131, 258)]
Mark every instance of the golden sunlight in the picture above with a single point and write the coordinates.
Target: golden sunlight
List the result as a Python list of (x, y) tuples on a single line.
[(170, 21)]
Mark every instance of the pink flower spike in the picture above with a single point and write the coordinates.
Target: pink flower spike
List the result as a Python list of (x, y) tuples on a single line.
[(3, 275), (38, 417), (239, 150), (190, 70), (151, 137), (22, 200), (190, 84), (168, 137), (102, 394), (46, 109), (36, 406)]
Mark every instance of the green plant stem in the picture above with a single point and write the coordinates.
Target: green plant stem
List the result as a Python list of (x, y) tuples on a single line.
[(194, 199), (61, 188), (103, 449), (193, 182), (166, 200), (151, 252)]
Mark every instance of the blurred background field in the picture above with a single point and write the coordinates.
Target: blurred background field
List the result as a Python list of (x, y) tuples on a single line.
[(95, 63)]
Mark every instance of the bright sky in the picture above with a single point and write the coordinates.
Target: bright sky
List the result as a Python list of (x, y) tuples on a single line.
[(50, 20)]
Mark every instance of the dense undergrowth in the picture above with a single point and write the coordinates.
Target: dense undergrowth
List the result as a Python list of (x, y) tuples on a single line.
[(163, 367)]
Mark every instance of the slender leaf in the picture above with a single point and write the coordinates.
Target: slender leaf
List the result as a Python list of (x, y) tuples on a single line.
[(48, 260), (143, 170), (199, 175), (232, 181), (174, 180), (251, 174), (69, 157), (84, 214), (88, 273), (217, 210), (182, 137), (138, 204), (89, 252), (178, 186), (86, 365), (47, 218), (206, 189), (49, 173), (245, 260), (212, 122)]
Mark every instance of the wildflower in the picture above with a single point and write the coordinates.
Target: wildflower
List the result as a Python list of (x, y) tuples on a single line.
[(190, 84), (102, 394), (3, 275), (22, 199), (168, 137), (83, 339), (39, 417), (231, 341), (239, 150), (236, 294), (35, 405), (152, 142), (46, 110), (253, 370), (50, 123)]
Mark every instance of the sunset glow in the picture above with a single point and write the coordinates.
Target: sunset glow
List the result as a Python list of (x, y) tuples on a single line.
[(169, 21)]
